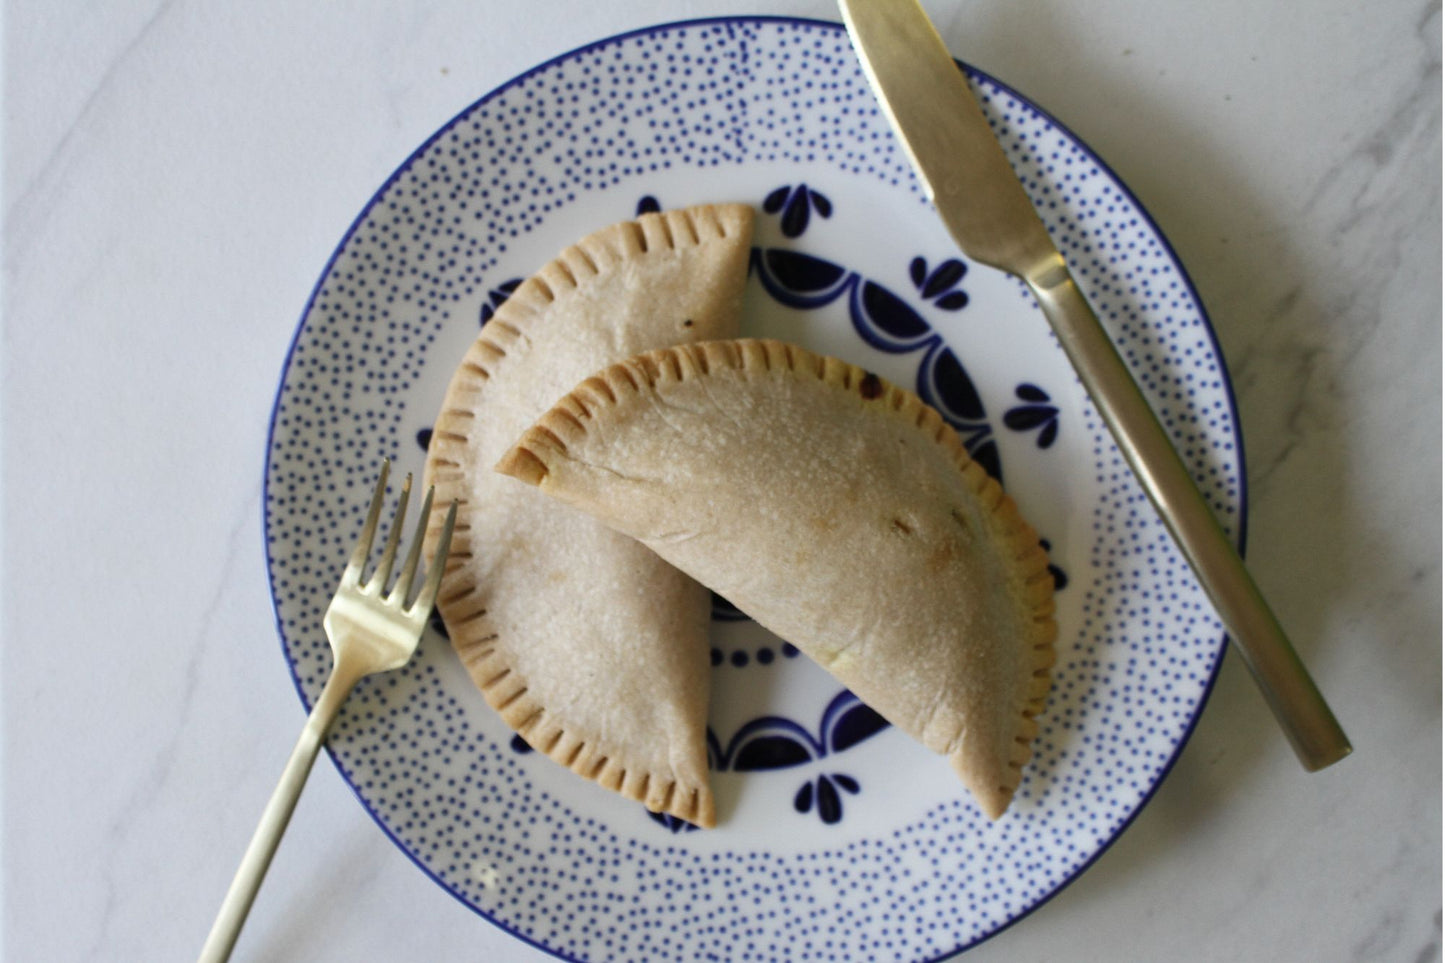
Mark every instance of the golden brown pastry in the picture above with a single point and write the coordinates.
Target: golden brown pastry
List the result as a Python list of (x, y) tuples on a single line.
[(837, 510), (586, 642)]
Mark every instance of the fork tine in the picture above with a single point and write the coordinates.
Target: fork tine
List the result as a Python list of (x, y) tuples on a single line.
[(352, 575), (388, 554), (413, 555), (427, 597)]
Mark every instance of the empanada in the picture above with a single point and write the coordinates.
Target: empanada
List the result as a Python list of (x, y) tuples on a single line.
[(586, 642), (838, 511)]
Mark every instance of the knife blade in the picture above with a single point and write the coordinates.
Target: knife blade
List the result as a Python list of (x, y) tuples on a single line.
[(964, 171)]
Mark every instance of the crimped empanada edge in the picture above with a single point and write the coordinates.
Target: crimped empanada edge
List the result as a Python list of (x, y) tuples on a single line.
[(504, 337), (568, 423), (507, 692)]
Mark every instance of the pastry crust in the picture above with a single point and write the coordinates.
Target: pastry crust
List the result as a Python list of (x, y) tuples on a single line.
[(840, 512), (587, 644)]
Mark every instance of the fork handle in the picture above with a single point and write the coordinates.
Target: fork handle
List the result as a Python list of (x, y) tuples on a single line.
[(277, 814)]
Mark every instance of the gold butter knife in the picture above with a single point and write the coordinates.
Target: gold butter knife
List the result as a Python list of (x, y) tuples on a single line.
[(982, 203)]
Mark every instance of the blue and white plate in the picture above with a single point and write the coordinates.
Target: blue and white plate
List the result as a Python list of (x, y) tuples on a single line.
[(840, 838)]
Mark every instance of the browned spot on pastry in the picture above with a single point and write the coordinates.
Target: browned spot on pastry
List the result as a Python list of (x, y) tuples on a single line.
[(477, 370), (474, 658), (597, 767), (499, 325), (699, 357), (511, 699), (942, 556), (823, 523), (522, 464), (673, 360), (576, 406), (961, 519), (648, 367), (479, 613), (462, 592), (686, 216), (625, 373), (733, 354), (497, 678), (551, 437), (635, 229), (598, 385), (570, 418), (871, 386), (687, 323), (901, 526), (544, 289)]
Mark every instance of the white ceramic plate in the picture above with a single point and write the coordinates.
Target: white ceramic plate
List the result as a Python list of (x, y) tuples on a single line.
[(840, 838)]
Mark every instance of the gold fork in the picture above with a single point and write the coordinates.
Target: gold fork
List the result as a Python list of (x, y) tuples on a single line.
[(370, 632)]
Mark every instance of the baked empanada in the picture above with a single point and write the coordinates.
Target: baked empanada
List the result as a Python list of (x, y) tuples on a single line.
[(586, 642), (837, 510)]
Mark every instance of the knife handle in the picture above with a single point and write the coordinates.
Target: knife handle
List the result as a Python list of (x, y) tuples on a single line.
[(1292, 695)]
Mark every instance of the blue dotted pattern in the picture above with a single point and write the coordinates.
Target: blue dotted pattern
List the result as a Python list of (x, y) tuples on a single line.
[(705, 96)]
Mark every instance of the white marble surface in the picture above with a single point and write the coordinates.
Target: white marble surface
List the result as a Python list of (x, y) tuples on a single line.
[(175, 176)]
